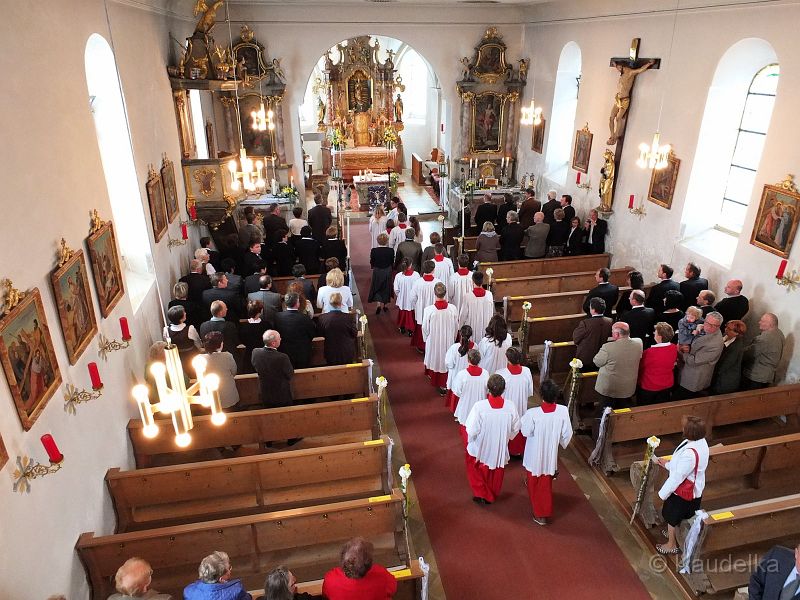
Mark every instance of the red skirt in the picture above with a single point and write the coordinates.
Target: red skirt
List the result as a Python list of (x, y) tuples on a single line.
[(405, 319), (416, 339), (517, 446), (438, 380), (451, 401), (485, 482)]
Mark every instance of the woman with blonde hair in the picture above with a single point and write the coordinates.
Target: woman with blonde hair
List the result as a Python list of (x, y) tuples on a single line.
[(334, 281), (377, 225)]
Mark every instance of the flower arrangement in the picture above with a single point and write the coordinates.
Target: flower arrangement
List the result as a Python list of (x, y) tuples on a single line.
[(576, 363), (338, 141), (469, 185), (394, 178), (405, 475), (389, 137), (288, 191)]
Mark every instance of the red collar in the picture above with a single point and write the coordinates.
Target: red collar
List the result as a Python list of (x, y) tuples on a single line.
[(462, 270), (548, 407), (441, 304), (402, 226), (515, 369), (428, 277), (474, 370), (471, 345), (408, 273), (438, 257), (479, 292), (495, 401)]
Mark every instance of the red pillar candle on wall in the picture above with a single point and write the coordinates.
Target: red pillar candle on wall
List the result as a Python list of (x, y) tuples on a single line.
[(94, 375), (781, 269), (51, 448), (193, 212), (578, 177), (123, 325), (184, 231), (630, 201)]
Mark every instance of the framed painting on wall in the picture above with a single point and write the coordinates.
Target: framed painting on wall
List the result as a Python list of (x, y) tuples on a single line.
[(488, 120), (537, 137), (582, 149), (158, 211), (170, 190), (776, 222), (75, 311), (662, 182), (29, 361), (105, 267)]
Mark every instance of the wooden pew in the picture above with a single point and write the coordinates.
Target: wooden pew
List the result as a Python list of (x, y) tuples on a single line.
[(627, 428), (736, 474), (734, 538), (307, 540), (546, 305), (541, 329), (547, 266), (555, 361), (553, 284), (234, 487), (469, 245), (349, 420)]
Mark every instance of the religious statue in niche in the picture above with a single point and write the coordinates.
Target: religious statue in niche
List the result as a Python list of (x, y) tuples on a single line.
[(359, 92), (398, 109), (607, 175)]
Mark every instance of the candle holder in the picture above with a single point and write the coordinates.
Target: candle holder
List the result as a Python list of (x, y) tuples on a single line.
[(790, 280), (175, 242), (105, 345), (73, 396), (27, 469), (587, 185), (639, 211)]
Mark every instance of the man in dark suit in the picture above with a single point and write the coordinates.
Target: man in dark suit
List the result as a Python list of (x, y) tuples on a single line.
[(213, 256), (218, 322), (591, 334), (511, 238), (197, 281), (268, 298), (275, 372), (640, 319), (299, 274), (252, 282), (549, 207), (252, 260), (595, 230), (735, 306), (249, 231), (692, 285), (508, 206), (319, 218), (274, 222), (297, 331), (235, 282), (485, 212), (411, 250), (281, 259), (339, 330), (220, 291), (566, 206), (605, 290), (657, 293), (530, 206), (776, 577), (307, 249), (333, 247)]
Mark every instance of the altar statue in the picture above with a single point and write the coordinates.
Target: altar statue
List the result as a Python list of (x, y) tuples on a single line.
[(607, 174), (622, 99), (208, 20), (398, 109), (320, 111)]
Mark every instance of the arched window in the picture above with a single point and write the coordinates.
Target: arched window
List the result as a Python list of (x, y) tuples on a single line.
[(114, 140), (562, 121), (414, 71)]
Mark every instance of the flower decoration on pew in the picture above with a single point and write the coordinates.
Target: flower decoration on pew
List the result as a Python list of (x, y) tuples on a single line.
[(526, 306), (405, 475), (576, 363), (652, 443)]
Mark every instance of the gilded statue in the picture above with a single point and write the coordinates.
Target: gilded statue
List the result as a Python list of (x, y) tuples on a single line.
[(65, 253), (465, 68), (12, 296), (96, 221), (320, 111), (607, 174), (622, 99), (523, 69), (208, 20), (398, 109)]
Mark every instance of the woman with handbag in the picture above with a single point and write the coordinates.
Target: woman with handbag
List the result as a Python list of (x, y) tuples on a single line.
[(683, 490)]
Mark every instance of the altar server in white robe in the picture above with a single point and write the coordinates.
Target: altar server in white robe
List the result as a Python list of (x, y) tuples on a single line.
[(519, 389), (398, 234), (422, 296), (545, 427), (477, 307), (456, 361), (403, 287), (460, 282), (494, 344), (442, 266), (439, 328), (469, 388), (490, 425)]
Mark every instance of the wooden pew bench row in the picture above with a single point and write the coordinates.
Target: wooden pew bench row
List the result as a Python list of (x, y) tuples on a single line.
[(547, 266), (553, 284)]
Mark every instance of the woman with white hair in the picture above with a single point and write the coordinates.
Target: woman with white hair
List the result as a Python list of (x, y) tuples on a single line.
[(215, 582), (335, 283), (203, 255)]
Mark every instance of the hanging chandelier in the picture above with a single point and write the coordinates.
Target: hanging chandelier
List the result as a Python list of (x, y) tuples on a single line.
[(531, 115), (176, 399), (262, 118), (653, 156)]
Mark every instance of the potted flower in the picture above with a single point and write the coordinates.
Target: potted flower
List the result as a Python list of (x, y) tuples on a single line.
[(338, 141), (389, 137)]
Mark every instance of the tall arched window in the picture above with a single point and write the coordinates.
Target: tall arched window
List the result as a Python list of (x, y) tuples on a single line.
[(562, 121), (414, 71), (116, 153)]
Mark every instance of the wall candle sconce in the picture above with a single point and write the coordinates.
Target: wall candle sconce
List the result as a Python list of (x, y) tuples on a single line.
[(28, 469), (73, 396), (790, 280), (105, 345), (639, 210), (586, 185)]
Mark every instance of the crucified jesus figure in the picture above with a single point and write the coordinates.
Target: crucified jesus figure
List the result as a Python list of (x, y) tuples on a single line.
[(622, 100)]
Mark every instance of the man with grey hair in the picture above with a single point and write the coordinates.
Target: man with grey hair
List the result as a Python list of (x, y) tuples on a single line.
[(697, 368), (216, 581), (537, 237), (618, 364), (220, 291), (275, 372), (511, 238), (297, 331), (133, 580), (197, 280), (219, 322), (550, 206), (762, 356), (640, 318)]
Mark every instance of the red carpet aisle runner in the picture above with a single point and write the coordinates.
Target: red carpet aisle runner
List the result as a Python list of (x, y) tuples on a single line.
[(488, 552)]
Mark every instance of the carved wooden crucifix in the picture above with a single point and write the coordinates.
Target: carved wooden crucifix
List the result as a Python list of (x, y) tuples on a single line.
[(628, 67)]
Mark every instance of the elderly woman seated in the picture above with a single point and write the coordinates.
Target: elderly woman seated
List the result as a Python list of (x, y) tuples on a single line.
[(133, 580), (215, 581), (358, 577), (281, 584)]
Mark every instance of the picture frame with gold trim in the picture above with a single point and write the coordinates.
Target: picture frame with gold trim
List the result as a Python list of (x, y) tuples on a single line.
[(74, 304)]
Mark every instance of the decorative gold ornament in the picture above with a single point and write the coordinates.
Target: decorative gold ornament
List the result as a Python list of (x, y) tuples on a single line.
[(790, 280), (246, 34), (96, 222), (788, 184), (27, 470), (12, 295), (105, 346), (64, 253), (73, 396), (491, 32), (206, 179)]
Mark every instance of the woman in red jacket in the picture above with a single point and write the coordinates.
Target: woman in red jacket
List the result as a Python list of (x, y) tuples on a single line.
[(656, 369), (358, 577)]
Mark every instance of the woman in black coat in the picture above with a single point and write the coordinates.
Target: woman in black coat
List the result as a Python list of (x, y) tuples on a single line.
[(574, 243), (251, 332), (728, 371), (635, 282), (381, 260)]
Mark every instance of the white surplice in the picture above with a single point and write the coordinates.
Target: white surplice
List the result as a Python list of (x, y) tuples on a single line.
[(376, 227), (422, 296), (403, 287), (470, 390), (493, 357), (519, 388), (443, 269), (489, 430), (458, 286), (455, 363), (476, 312), (439, 328), (397, 235), (544, 432)]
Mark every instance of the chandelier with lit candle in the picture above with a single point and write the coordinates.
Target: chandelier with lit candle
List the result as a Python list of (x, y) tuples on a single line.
[(175, 399), (654, 156), (531, 115), (262, 118)]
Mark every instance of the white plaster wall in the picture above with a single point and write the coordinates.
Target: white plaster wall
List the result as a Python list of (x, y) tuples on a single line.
[(702, 37)]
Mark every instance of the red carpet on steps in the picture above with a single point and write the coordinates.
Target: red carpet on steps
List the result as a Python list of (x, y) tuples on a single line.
[(487, 552)]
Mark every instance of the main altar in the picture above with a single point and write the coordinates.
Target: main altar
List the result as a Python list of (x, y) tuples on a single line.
[(361, 110)]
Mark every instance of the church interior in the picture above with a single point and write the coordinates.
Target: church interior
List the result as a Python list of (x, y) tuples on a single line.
[(175, 120)]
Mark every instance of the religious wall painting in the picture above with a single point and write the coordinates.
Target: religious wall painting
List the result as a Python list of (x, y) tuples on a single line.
[(257, 143), (490, 64), (249, 62), (776, 222), (170, 189), (106, 270), (28, 358), (359, 92), (488, 118), (74, 304), (582, 149), (537, 136), (663, 181), (158, 209)]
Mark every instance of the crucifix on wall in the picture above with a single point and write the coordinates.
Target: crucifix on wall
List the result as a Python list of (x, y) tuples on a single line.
[(629, 68)]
